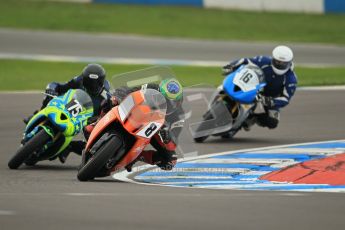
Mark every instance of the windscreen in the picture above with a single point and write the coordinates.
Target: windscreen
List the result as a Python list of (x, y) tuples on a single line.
[(155, 100), (185, 121), (153, 103), (141, 79), (80, 102)]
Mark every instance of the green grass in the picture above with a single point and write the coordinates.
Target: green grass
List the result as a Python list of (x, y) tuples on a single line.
[(34, 75), (166, 21)]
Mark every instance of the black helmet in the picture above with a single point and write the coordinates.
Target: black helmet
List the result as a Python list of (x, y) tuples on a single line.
[(93, 78)]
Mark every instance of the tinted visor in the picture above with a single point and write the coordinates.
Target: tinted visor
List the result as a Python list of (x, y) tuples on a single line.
[(93, 86), (281, 65)]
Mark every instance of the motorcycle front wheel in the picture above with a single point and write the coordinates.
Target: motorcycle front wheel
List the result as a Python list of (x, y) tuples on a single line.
[(36, 142), (94, 164)]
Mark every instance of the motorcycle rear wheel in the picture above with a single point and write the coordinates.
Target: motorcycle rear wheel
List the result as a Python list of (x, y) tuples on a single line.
[(28, 148)]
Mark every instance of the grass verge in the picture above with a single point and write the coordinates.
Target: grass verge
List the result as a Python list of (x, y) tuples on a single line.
[(34, 75), (168, 21)]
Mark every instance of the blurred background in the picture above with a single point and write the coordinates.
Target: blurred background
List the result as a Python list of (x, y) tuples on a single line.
[(43, 40)]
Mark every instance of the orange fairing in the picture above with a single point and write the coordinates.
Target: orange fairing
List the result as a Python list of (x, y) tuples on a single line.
[(110, 117), (140, 115)]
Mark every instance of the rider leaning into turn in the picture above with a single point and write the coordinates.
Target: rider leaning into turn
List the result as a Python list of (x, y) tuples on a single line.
[(165, 140), (281, 84), (92, 80)]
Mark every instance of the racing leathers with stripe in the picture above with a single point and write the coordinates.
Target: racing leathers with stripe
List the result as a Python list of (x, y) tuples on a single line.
[(276, 94), (164, 141)]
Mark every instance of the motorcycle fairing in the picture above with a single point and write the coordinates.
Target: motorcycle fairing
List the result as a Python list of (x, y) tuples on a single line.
[(241, 88)]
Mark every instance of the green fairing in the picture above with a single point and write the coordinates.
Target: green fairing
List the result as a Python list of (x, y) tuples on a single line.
[(61, 118)]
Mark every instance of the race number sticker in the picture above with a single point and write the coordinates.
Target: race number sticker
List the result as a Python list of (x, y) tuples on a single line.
[(74, 108), (246, 79), (149, 130)]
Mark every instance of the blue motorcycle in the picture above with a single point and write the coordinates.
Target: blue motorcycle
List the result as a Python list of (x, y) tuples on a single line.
[(232, 103)]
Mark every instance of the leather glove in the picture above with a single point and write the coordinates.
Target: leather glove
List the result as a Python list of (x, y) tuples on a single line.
[(165, 134), (227, 69), (114, 101), (92, 120), (51, 92)]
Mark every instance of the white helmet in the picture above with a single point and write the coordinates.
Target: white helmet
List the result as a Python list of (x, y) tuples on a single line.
[(281, 59)]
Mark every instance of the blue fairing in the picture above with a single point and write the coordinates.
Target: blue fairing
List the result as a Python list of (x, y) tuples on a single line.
[(236, 93)]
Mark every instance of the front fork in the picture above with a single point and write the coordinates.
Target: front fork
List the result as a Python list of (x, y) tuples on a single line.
[(233, 107), (47, 129), (239, 112)]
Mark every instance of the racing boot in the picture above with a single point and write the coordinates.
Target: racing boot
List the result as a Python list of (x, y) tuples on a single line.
[(249, 122), (152, 157), (75, 146), (146, 156)]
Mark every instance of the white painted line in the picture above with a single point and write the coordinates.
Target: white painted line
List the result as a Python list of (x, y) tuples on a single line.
[(131, 61), (182, 177), (259, 150), (21, 92), (322, 88), (126, 177), (258, 161), (7, 213), (313, 151), (109, 60)]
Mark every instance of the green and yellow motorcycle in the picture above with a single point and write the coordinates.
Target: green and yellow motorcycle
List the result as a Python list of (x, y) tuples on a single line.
[(52, 129)]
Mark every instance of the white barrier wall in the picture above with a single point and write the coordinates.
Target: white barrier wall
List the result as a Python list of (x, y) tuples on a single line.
[(302, 6), (306, 6)]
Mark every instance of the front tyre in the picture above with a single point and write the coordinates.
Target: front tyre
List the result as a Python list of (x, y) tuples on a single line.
[(94, 165), (36, 142)]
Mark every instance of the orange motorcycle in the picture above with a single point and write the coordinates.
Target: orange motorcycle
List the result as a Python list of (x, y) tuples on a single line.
[(122, 134)]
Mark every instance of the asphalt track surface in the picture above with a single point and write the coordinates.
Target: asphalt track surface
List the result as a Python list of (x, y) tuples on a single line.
[(22, 42), (49, 196)]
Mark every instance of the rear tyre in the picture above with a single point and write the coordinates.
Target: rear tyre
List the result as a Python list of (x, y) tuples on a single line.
[(28, 148), (200, 139), (94, 165)]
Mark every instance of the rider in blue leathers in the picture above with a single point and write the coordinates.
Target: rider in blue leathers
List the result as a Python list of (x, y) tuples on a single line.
[(281, 84)]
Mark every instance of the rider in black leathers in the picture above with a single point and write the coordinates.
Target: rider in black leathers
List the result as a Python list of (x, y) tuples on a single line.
[(92, 80)]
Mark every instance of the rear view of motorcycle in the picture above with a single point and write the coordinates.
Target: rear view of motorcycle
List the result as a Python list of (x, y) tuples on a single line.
[(233, 102), (52, 129)]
